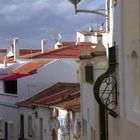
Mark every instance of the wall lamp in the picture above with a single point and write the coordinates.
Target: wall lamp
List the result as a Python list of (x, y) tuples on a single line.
[(34, 108), (97, 12), (75, 2)]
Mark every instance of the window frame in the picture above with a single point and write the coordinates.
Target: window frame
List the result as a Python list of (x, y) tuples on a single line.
[(10, 86), (30, 126)]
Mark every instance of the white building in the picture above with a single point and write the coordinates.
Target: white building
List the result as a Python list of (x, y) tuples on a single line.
[(91, 67), (26, 87), (124, 29), (41, 120), (126, 33), (31, 73)]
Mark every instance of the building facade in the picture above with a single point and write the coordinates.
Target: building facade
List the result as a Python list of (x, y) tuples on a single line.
[(124, 29)]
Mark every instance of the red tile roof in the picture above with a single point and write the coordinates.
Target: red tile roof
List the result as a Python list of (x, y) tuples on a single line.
[(59, 92), (26, 52), (31, 67), (59, 96), (66, 44), (92, 33), (21, 70), (23, 52), (3, 51), (65, 52)]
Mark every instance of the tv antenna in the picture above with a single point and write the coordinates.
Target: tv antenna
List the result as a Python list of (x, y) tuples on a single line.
[(56, 37)]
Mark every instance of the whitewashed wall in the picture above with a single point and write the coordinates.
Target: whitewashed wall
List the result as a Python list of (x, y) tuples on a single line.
[(88, 113), (89, 106), (56, 71), (43, 113), (125, 31), (80, 37), (9, 114), (64, 70)]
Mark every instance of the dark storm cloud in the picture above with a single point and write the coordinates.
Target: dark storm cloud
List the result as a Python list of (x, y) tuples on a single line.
[(32, 20)]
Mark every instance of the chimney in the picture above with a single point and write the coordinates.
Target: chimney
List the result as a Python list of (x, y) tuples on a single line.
[(43, 45), (58, 45), (5, 62), (99, 38), (15, 48)]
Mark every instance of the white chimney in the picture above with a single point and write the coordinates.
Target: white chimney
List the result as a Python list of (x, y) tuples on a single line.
[(5, 62), (16, 48), (99, 38), (43, 45)]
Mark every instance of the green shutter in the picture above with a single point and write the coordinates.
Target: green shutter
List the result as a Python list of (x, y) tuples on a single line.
[(89, 74)]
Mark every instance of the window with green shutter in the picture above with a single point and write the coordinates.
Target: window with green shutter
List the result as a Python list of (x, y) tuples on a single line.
[(89, 73)]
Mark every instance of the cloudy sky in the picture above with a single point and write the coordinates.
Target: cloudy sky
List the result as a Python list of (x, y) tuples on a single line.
[(32, 20)]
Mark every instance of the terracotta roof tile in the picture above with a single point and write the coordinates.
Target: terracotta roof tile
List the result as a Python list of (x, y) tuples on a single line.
[(86, 44), (23, 52), (92, 33), (52, 99), (3, 51), (30, 55), (30, 67), (66, 44), (65, 52), (52, 91), (26, 52), (69, 50), (7, 72)]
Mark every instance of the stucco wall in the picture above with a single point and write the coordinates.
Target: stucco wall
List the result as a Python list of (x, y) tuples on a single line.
[(64, 70), (88, 112), (56, 71), (9, 115), (43, 113), (126, 31), (89, 106)]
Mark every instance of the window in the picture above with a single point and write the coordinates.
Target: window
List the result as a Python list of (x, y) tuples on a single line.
[(30, 126), (6, 131), (10, 87), (21, 126), (89, 74)]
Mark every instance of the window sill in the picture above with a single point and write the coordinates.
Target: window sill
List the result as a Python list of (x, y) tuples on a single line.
[(9, 94)]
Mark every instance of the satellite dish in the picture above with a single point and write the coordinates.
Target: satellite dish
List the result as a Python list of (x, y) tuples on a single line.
[(56, 37), (75, 2)]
